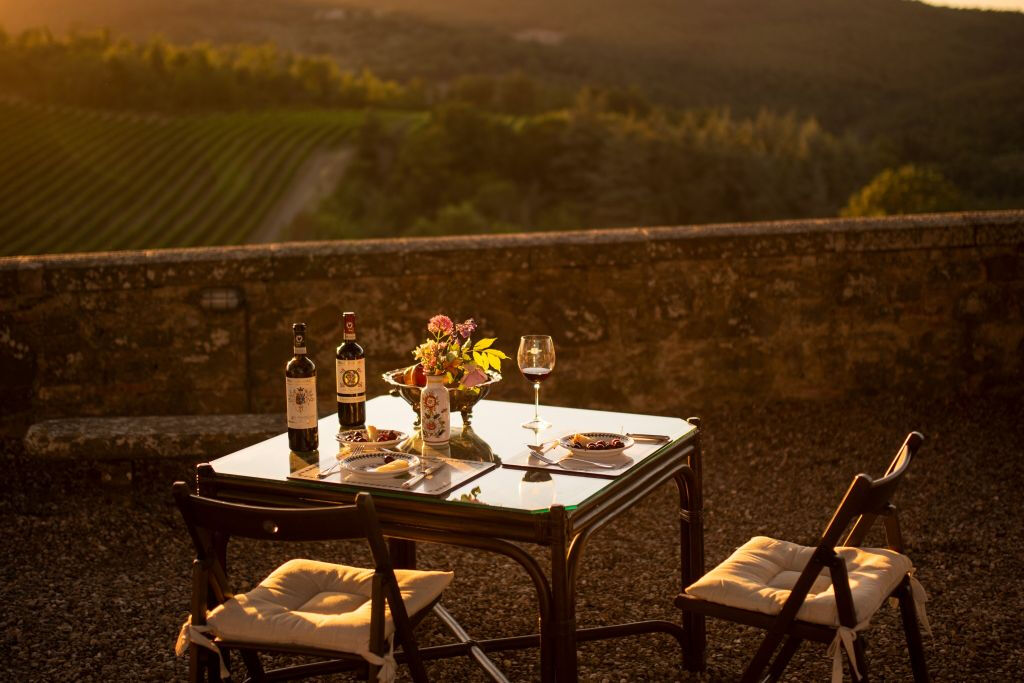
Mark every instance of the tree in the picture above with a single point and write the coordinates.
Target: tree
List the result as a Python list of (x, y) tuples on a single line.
[(907, 189)]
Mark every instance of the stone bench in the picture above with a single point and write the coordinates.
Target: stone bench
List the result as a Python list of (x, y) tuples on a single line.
[(192, 437)]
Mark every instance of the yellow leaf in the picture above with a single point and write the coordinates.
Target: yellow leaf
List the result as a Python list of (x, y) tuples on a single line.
[(481, 359), (484, 343)]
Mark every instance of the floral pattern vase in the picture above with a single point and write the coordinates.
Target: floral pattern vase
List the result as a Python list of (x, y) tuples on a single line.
[(435, 416)]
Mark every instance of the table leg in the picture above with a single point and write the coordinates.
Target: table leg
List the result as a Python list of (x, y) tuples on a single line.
[(691, 549), (403, 553), (562, 639)]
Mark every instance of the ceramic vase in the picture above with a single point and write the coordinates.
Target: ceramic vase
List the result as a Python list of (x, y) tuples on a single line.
[(435, 415)]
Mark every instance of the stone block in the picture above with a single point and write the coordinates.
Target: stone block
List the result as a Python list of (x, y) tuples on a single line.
[(193, 437)]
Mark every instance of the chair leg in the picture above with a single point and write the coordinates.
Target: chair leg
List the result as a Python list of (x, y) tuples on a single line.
[(908, 612), (213, 665), (414, 661), (789, 648), (195, 664), (761, 658), (859, 650), (253, 664)]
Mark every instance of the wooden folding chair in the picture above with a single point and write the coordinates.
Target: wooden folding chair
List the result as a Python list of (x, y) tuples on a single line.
[(304, 607), (826, 593)]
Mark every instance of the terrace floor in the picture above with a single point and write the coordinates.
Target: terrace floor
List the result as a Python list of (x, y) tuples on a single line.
[(95, 579)]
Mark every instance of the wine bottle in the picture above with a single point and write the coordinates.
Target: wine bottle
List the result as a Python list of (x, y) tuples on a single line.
[(351, 375), (300, 386)]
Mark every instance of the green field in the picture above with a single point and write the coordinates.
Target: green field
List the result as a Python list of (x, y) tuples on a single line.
[(81, 180)]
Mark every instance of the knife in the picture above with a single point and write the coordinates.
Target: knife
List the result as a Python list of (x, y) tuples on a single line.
[(408, 484), (657, 438)]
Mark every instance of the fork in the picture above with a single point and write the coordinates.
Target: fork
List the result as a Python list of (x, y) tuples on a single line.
[(329, 471), (604, 465)]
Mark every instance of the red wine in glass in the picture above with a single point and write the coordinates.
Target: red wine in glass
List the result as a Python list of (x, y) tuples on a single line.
[(536, 374)]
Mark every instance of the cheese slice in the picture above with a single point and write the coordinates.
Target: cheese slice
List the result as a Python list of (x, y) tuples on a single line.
[(371, 433), (396, 465), (579, 440)]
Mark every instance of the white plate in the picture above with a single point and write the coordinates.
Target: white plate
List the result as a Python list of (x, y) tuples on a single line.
[(367, 445), (597, 455), (362, 465)]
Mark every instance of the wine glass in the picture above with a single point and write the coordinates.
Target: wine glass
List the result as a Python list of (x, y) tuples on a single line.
[(536, 362)]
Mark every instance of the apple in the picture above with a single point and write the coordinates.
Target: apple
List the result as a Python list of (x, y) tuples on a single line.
[(418, 376)]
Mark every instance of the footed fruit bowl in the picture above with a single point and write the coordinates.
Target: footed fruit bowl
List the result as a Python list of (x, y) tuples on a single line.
[(461, 400)]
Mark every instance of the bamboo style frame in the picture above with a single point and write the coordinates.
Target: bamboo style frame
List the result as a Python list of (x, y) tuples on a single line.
[(865, 500), (406, 520)]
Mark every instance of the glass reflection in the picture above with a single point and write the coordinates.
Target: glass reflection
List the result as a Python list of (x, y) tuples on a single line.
[(536, 490), (464, 444)]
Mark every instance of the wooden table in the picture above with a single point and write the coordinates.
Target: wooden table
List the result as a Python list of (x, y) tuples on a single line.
[(504, 511)]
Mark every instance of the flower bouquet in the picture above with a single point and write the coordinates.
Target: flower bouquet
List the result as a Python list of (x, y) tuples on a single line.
[(468, 368)]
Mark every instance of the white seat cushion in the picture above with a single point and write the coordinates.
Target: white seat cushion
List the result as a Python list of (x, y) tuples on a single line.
[(761, 573), (319, 605)]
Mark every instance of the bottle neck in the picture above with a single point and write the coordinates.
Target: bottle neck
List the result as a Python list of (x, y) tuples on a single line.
[(299, 343), (434, 380)]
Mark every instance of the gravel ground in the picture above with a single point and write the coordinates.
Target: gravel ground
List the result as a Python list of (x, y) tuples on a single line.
[(95, 578)]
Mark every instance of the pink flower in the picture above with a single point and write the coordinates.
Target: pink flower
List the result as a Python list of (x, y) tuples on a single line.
[(440, 324), (473, 377), (465, 329)]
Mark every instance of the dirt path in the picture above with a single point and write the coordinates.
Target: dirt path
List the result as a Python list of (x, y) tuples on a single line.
[(315, 180)]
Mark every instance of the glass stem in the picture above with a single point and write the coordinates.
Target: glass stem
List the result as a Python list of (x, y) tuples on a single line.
[(536, 401)]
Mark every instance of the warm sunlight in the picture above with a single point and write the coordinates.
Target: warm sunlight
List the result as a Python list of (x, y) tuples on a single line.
[(1006, 5)]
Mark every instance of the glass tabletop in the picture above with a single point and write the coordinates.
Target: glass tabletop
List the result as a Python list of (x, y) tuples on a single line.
[(495, 425)]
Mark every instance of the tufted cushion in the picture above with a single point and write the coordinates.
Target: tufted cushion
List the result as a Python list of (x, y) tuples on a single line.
[(761, 573), (318, 604)]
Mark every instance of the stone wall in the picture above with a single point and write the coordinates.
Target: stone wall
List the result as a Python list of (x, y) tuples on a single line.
[(662, 320)]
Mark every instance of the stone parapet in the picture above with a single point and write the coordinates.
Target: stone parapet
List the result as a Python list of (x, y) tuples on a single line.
[(662, 319), (192, 437)]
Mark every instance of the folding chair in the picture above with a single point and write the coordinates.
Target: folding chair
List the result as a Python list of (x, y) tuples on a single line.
[(826, 593), (304, 607)]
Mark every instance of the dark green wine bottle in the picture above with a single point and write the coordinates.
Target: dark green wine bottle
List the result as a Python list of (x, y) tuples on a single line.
[(300, 385), (351, 377)]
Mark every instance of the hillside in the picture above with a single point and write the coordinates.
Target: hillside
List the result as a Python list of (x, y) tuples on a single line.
[(80, 180), (849, 62)]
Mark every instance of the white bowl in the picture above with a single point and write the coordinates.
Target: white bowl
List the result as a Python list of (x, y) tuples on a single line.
[(358, 446), (605, 454)]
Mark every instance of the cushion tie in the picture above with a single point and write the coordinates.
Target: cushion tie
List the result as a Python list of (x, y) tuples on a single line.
[(844, 639), (196, 635), (388, 665), (920, 597)]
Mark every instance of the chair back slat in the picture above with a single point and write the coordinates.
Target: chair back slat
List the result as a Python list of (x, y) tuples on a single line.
[(267, 523), (878, 501)]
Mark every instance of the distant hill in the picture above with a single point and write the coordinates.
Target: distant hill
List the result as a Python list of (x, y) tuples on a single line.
[(850, 62)]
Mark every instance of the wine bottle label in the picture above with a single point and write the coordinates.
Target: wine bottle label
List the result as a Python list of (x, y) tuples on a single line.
[(301, 402), (351, 380)]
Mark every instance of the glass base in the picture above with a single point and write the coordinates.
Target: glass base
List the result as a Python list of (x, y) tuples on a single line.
[(537, 425)]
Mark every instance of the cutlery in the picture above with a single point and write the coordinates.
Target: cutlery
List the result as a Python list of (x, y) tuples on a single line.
[(329, 471), (542, 448), (657, 438), (604, 465), (415, 480)]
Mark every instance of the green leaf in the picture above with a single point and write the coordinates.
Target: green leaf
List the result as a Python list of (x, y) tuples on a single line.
[(484, 343)]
